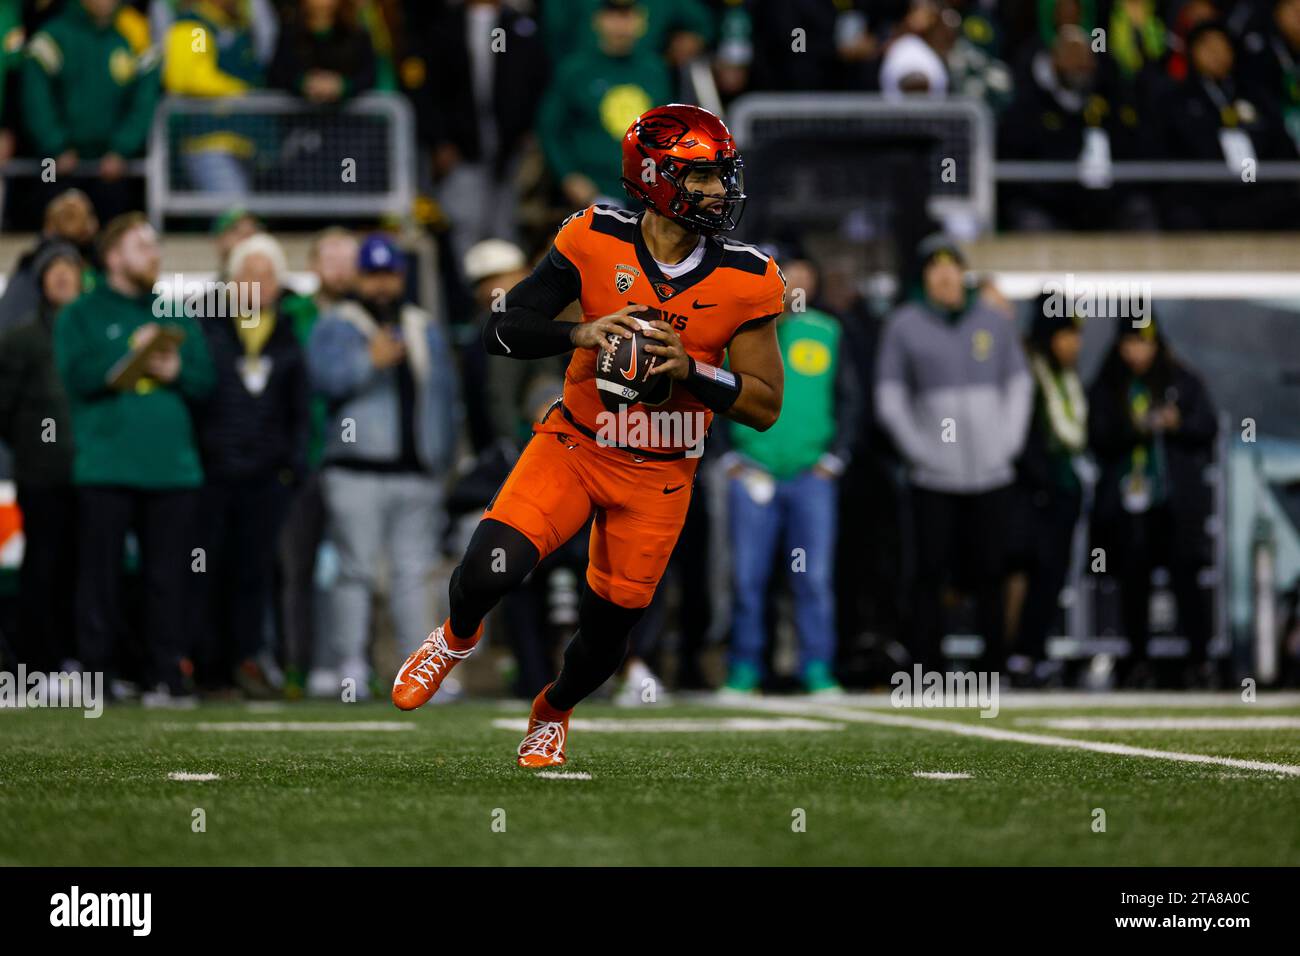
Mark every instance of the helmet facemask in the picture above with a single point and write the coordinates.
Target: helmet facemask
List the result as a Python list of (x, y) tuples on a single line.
[(687, 207)]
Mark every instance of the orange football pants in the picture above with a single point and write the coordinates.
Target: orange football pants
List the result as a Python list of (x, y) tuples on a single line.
[(563, 475)]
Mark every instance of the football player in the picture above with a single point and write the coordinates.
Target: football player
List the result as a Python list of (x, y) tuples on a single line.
[(717, 300)]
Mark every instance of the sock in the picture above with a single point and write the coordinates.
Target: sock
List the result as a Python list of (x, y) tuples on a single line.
[(459, 643), (545, 710)]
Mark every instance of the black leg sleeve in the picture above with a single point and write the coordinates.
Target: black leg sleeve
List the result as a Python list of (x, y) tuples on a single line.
[(595, 652), (496, 562)]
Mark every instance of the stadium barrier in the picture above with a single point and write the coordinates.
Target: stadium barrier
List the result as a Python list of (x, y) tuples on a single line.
[(957, 138), (955, 135), (356, 159), (1141, 171)]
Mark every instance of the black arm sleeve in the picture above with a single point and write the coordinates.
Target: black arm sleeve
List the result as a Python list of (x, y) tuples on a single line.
[(527, 328)]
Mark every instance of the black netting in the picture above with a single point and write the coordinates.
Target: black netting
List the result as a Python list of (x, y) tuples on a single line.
[(290, 154)]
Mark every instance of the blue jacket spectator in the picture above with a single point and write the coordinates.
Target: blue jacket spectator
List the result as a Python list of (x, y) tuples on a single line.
[(386, 369)]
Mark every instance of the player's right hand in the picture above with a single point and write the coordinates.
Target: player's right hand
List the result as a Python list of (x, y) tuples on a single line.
[(595, 334)]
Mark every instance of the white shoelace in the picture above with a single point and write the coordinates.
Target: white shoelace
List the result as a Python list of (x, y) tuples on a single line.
[(441, 656), (546, 739)]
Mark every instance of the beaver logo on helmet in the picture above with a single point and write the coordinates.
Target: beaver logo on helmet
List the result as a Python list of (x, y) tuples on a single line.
[(673, 142), (663, 132)]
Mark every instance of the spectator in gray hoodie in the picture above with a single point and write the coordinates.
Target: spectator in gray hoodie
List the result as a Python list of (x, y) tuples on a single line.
[(954, 393), (385, 366)]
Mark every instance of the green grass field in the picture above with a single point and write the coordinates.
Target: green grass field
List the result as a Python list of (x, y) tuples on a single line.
[(438, 789)]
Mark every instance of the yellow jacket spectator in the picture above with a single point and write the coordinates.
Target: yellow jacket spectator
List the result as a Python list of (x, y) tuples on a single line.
[(209, 52)]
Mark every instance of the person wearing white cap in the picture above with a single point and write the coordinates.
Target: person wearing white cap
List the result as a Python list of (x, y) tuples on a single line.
[(253, 431), (910, 65)]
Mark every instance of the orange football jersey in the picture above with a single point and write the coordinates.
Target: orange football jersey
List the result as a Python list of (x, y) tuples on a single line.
[(733, 286)]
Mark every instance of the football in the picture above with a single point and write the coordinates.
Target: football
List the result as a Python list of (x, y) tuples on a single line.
[(623, 375)]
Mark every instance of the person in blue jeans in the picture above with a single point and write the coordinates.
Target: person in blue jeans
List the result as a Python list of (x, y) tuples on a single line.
[(783, 493)]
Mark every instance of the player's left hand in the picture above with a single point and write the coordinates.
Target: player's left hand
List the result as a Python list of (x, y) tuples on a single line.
[(674, 361)]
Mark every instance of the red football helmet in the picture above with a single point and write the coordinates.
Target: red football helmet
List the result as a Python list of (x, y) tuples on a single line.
[(668, 143)]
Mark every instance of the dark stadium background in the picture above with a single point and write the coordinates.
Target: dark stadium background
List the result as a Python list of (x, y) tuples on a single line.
[(845, 150)]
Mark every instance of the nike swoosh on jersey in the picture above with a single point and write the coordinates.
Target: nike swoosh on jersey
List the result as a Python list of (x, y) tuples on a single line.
[(698, 305)]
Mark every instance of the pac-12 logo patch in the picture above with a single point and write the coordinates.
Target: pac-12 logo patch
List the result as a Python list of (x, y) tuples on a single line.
[(624, 276)]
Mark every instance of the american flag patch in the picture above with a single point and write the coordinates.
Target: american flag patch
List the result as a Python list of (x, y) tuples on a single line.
[(719, 375)]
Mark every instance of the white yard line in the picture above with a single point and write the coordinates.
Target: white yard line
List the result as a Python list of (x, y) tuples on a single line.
[(1016, 736), (189, 777), (1164, 723), (679, 725), (562, 775), (1014, 699), (940, 775), (308, 726), (264, 706)]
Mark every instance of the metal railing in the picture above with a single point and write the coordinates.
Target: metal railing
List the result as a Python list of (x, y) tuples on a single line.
[(961, 167), (22, 167), (356, 159), (294, 157), (959, 162), (1142, 171)]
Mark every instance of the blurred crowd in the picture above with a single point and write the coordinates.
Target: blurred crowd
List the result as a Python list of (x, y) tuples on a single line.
[(248, 506), (516, 97), (184, 468)]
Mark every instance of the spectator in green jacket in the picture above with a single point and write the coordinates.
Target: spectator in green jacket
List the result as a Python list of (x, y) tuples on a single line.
[(12, 39), (136, 462), (35, 424), (784, 492), (593, 99), (88, 100), (675, 29)]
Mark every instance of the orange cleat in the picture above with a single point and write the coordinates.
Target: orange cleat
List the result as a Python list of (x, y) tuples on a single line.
[(423, 672), (548, 729)]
